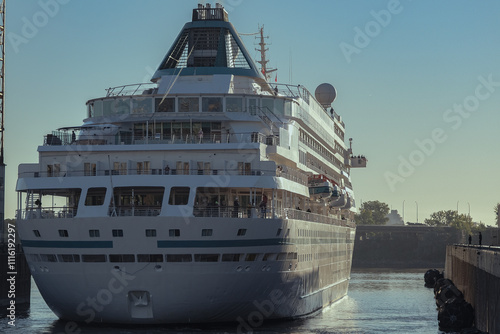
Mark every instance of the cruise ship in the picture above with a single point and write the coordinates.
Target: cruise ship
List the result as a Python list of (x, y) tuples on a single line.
[(209, 194)]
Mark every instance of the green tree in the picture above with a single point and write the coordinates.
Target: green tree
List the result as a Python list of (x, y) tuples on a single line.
[(372, 213), (450, 218)]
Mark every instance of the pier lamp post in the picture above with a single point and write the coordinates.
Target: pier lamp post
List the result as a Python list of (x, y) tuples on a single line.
[(457, 207), (417, 210), (403, 212), (469, 208)]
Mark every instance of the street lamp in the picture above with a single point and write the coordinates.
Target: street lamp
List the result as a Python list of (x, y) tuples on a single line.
[(403, 211), (469, 208), (417, 210)]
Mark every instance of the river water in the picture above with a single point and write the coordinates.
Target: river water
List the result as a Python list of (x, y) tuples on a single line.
[(379, 301)]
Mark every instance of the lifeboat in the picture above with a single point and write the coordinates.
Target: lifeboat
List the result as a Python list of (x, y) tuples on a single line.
[(322, 188)]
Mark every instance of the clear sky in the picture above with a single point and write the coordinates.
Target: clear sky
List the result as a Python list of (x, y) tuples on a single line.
[(418, 82)]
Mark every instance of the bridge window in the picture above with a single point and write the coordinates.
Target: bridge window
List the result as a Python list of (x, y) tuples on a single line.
[(95, 196), (211, 104), (168, 105), (189, 104), (234, 104), (179, 196)]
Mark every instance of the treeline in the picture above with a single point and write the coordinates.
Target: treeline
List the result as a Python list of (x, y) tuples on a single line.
[(375, 213)]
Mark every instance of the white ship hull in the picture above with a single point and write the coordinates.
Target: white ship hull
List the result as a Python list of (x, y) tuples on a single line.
[(190, 292)]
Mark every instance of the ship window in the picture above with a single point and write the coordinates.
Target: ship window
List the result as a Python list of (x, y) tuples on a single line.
[(57, 170), (292, 256), (48, 257), (189, 104), (95, 108), (93, 258), (174, 233), (94, 233), (168, 105), (211, 104), (206, 232), (234, 104), (36, 233), (230, 257), (142, 105), (121, 258), (116, 106), (95, 196), (281, 256), (269, 257), (68, 257), (117, 233), (150, 233), (63, 233), (34, 257), (242, 231), (206, 257), (143, 201), (179, 257), (251, 257), (149, 258), (179, 196)]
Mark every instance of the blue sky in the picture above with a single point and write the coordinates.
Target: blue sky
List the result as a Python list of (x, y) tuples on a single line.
[(418, 82)]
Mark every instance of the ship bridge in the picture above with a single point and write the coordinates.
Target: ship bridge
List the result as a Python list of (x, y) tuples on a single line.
[(206, 46)]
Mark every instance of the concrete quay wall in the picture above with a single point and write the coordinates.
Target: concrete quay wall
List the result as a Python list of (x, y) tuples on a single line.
[(475, 270)]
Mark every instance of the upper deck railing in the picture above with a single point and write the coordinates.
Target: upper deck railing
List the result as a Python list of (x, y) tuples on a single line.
[(66, 137), (147, 88), (52, 212)]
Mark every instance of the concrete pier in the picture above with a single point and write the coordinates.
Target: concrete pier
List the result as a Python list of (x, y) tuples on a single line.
[(475, 270)]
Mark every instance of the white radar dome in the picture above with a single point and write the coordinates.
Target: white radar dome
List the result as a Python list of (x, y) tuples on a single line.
[(325, 94)]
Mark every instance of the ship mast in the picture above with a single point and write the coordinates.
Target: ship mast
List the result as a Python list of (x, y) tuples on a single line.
[(263, 61)]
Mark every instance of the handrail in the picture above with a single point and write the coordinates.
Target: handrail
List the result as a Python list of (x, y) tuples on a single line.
[(121, 90), (198, 212), (294, 176), (64, 137)]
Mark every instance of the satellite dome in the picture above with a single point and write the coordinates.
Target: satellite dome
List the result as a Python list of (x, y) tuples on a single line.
[(325, 94)]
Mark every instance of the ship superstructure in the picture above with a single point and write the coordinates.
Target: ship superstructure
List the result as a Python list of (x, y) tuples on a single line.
[(188, 199)]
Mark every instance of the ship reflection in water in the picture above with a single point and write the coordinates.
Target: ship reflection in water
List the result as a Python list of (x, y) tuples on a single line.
[(377, 302)]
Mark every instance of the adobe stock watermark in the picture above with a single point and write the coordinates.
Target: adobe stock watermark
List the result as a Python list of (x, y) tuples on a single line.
[(454, 117), (230, 5), (372, 29), (32, 25)]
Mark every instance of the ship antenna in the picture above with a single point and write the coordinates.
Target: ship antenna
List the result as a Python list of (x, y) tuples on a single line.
[(263, 61)]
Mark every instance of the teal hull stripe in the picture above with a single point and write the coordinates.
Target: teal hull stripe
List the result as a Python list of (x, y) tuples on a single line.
[(67, 244), (220, 243)]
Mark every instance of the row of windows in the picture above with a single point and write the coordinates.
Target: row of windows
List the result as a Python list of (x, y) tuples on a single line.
[(206, 232), (321, 255), (319, 234), (145, 105), (315, 145), (130, 258)]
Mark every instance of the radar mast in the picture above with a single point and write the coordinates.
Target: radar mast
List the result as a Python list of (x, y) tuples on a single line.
[(263, 60)]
